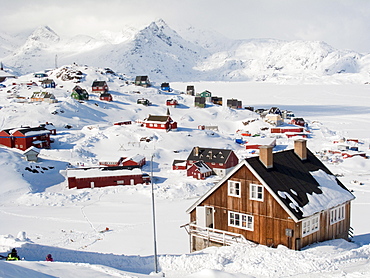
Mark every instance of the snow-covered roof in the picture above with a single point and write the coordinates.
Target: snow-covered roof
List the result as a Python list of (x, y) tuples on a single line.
[(298, 186), (30, 131), (32, 149), (261, 141), (202, 167), (100, 172), (136, 158)]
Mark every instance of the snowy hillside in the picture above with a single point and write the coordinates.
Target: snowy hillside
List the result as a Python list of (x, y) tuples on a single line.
[(40, 215), (161, 52)]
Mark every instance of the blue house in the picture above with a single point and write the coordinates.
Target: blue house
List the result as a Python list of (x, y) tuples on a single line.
[(48, 83), (166, 87)]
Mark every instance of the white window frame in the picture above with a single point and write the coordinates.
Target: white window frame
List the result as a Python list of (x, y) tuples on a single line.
[(233, 188), (337, 214), (241, 220), (254, 192), (121, 182), (310, 225)]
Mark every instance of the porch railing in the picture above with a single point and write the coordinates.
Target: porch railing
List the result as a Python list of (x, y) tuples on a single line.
[(215, 235)]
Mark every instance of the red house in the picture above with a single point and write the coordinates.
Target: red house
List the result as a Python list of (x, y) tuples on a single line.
[(179, 165), (99, 87), (199, 170), (221, 161), (284, 129), (298, 121), (172, 102), (106, 176), (160, 122), (256, 142), (106, 97), (25, 137), (136, 161)]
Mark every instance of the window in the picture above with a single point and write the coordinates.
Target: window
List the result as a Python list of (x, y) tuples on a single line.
[(256, 192), (233, 188), (337, 214), (120, 182), (150, 125), (241, 220), (310, 225)]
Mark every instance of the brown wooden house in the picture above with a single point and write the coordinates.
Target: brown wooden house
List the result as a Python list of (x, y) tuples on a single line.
[(287, 198)]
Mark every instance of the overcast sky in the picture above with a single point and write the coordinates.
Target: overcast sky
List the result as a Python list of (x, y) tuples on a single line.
[(344, 24)]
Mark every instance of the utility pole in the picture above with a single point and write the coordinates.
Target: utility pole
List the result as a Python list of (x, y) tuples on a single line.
[(153, 214), (56, 61)]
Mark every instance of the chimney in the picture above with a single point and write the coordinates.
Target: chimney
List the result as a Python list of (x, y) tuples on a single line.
[(196, 151), (300, 148), (266, 156)]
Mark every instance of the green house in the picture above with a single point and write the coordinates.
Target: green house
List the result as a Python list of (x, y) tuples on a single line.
[(79, 93), (206, 94)]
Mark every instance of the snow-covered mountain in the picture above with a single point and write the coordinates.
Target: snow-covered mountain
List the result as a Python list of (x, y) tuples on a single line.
[(162, 53)]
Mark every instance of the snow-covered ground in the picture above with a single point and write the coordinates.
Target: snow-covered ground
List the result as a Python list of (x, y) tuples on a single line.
[(40, 215)]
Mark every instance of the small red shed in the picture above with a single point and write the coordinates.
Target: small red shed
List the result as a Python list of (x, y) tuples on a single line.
[(172, 102), (179, 165), (106, 97)]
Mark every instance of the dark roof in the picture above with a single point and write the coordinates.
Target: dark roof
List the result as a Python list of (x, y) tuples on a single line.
[(210, 155), (200, 100), (141, 78), (99, 84), (47, 81), (291, 174), (79, 90), (165, 85), (154, 118), (105, 95)]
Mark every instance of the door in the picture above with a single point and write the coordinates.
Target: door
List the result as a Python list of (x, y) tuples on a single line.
[(209, 217), (204, 216), (92, 184), (132, 182)]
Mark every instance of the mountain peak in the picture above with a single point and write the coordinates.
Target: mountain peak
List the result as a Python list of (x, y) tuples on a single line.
[(44, 34)]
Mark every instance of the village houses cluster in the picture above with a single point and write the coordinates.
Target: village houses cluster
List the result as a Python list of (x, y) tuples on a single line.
[(262, 199)]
